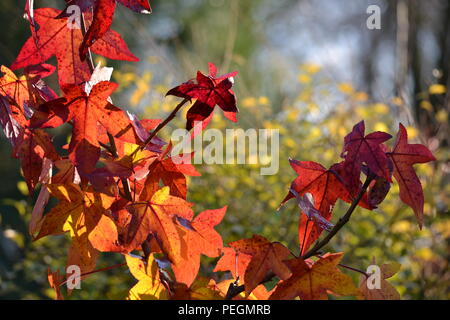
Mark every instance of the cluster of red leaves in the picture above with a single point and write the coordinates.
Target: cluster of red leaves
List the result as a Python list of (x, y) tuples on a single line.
[(119, 190), (362, 154)]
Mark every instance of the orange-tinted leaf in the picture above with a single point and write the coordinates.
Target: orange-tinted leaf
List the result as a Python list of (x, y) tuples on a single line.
[(31, 148), (313, 282), (19, 92), (266, 256), (325, 187), (199, 237), (55, 279), (74, 214), (156, 217), (233, 261), (171, 174)]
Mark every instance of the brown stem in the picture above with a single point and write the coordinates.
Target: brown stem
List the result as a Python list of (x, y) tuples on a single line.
[(83, 32), (353, 269), (98, 270), (342, 221), (160, 126), (234, 289)]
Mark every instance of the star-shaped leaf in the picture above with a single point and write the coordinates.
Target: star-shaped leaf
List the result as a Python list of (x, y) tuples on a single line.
[(404, 156), (54, 37), (312, 282), (198, 237), (266, 256), (209, 90)]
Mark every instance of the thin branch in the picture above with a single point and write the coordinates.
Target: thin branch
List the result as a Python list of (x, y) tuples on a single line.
[(96, 271), (342, 221), (169, 118), (353, 269), (90, 61), (234, 289)]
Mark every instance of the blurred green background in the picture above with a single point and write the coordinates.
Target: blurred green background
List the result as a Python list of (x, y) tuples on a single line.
[(311, 69)]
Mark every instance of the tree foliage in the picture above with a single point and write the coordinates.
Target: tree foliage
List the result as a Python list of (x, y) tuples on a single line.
[(119, 191)]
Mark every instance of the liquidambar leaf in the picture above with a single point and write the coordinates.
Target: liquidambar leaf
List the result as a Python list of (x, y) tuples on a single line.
[(404, 156), (266, 256), (209, 90), (313, 282), (55, 37), (149, 286), (198, 237)]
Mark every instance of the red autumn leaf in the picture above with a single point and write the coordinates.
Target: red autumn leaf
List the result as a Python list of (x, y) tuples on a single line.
[(101, 22), (102, 17), (311, 282), (172, 175), (32, 147), (85, 111), (378, 190), (199, 237), (360, 148), (404, 156), (50, 114), (41, 70), (84, 5), (325, 187), (209, 90), (140, 6), (55, 279), (158, 218), (55, 38), (130, 228), (84, 149), (233, 261), (22, 93), (266, 256)]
